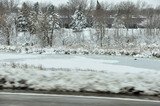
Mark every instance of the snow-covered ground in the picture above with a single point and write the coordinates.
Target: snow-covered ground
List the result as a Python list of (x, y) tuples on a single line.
[(93, 62), (76, 73), (134, 42)]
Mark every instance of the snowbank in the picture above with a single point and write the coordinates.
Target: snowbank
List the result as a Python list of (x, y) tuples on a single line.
[(147, 51), (116, 81)]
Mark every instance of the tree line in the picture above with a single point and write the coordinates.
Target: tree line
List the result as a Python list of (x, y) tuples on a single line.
[(42, 19)]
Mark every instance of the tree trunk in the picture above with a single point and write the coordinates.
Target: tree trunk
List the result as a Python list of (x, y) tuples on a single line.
[(101, 38), (51, 38), (8, 39)]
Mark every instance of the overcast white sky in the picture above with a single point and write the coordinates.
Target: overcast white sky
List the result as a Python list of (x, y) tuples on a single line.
[(57, 2)]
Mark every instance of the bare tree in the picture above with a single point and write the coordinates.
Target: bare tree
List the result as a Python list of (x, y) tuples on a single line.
[(100, 22), (73, 4), (6, 28), (157, 12), (53, 19), (126, 10), (42, 29), (64, 12)]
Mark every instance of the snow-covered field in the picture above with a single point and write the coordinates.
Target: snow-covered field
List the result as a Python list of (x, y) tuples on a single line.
[(76, 73)]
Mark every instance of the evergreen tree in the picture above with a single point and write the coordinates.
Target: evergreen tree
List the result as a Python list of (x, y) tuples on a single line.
[(21, 23), (79, 20), (25, 10), (36, 7), (32, 22), (51, 9)]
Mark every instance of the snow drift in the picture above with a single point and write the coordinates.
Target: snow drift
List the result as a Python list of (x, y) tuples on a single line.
[(116, 81)]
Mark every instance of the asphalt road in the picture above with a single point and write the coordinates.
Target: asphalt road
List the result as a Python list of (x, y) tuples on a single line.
[(9, 99)]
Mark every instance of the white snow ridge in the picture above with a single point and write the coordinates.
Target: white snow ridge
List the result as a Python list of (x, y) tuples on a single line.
[(116, 81)]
